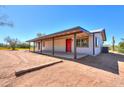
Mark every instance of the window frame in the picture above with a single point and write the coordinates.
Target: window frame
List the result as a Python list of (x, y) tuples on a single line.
[(38, 45), (79, 42), (43, 43)]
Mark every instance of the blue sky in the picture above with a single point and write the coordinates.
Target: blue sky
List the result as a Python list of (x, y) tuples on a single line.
[(29, 20)]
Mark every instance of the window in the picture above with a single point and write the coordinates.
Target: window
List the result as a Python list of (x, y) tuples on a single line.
[(96, 42), (78, 42), (38, 45), (82, 42), (43, 43)]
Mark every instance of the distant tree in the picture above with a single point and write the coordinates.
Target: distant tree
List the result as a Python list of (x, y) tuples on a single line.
[(12, 42), (113, 43), (23, 45), (4, 19), (40, 34), (122, 39), (3, 45), (121, 46)]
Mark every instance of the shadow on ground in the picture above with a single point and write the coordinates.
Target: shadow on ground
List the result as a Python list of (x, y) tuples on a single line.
[(107, 62)]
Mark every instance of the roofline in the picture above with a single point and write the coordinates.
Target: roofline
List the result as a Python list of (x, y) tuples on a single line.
[(105, 34), (60, 32), (102, 31), (67, 30)]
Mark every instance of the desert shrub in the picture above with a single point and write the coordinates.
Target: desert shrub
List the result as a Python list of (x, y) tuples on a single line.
[(121, 47), (2, 45), (115, 48), (121, 50)]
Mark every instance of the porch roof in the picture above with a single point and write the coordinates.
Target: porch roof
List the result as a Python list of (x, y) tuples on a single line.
[(73, 30)]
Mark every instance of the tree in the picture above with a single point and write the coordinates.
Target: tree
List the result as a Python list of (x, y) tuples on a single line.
[(4, 20), (12, 42), (122, 39), (40, 34), (121, 46), (23, 45), (113, 43)]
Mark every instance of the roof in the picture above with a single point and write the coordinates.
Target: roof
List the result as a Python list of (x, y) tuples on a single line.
[(64, 32), (97, 30), (102, 31), (68, 31)]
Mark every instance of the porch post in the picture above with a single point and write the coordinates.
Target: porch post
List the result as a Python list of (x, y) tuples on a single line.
[(34, 46), (53, 46), (29, 47), (93, 45), (41, 47), (75, 50)]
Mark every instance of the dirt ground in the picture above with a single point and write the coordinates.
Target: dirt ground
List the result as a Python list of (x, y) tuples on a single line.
[(101, 70)]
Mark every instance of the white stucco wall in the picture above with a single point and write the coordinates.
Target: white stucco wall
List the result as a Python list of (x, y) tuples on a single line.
[(60, 45), (100, 43)]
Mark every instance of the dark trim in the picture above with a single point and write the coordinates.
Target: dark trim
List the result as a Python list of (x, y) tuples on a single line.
[(34, 46), (105, 35), (53, 46), (103, 31), (71, 30), (41, 47), (93, 45), (75, 47), (53, 37)]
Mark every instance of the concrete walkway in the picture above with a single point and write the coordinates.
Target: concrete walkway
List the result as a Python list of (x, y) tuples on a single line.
[(64, 54)]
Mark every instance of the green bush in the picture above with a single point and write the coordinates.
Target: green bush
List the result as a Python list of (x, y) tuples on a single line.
[(22, 45), (115, 49), (121, 50), (19, 45), (121, 47)]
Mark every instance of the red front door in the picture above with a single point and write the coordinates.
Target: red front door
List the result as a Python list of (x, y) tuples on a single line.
[(68, 45)]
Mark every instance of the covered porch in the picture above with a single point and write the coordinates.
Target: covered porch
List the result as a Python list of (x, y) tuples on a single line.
[(62, 44)]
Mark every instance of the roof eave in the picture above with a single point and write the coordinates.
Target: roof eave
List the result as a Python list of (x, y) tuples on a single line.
[(52, 35), (102, 31)]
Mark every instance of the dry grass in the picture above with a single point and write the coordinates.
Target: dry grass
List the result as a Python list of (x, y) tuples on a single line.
[(4, 48)]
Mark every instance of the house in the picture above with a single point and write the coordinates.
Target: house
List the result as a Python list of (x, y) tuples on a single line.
[(74, 43)]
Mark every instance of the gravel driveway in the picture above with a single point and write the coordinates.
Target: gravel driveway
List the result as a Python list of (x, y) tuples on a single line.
[(102, 70)]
